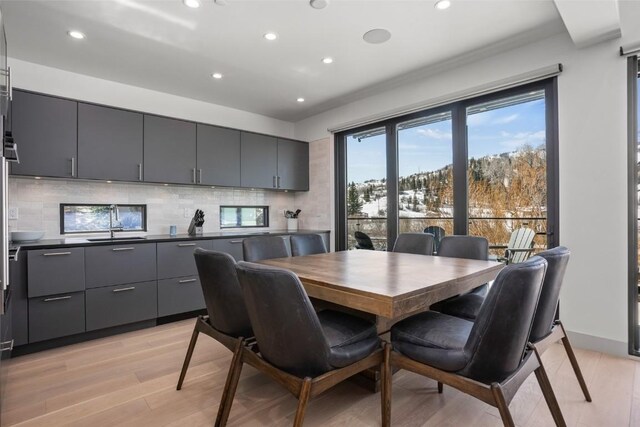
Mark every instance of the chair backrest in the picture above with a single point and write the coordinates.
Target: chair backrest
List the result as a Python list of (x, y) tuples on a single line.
[(499, 335), (264, 247), (307, 244), (469, 247), (363, 241), (285, 324), (557, 258), (414, 243), (222, 293), (438, 234), (521, 238)]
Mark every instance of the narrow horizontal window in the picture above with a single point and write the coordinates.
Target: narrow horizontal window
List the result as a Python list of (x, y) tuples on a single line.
[(244, 216), (92, 218)]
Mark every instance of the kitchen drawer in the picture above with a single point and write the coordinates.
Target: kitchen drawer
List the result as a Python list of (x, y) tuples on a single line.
[(117, 264), (175, 259), (121, 304), (231, 246), (179, 295), (55, 271), (56, 316)]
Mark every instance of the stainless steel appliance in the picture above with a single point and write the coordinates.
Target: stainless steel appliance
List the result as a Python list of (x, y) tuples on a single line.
[(9, 154)]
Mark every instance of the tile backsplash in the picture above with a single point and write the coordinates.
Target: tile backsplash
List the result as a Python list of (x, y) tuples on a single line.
[(38, 202)]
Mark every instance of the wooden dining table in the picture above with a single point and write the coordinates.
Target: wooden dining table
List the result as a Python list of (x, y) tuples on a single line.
[(389, 286)]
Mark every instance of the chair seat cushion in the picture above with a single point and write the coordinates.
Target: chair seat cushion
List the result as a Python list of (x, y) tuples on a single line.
[(465, 306), (350, 338), (434, 339)]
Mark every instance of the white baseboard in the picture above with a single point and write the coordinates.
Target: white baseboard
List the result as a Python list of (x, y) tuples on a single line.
[(603, 345)]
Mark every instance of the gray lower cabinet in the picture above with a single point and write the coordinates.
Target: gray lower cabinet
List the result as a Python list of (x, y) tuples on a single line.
[(109, 143), (54, 271), (118, 264), (56, 316), (231, 246), (169, 150), (293, 165), (179, 295), (175, 259), (218, 156), (121, 304), (45, 129), (259, 156)]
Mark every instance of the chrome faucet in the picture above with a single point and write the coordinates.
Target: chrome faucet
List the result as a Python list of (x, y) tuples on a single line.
[(113, 209)]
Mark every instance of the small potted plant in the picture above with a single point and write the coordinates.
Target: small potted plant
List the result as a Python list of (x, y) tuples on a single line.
[(292, 219)]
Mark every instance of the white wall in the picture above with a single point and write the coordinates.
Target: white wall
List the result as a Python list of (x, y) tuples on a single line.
[(592, 127)]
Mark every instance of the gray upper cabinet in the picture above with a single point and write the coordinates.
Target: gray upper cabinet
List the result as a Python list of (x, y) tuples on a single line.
[(109, 143), (293, 165), (169, 150), (45, 129), (218, 156), (259, 161)]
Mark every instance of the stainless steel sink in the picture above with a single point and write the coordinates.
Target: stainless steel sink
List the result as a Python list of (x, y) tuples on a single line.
[(115, 239)]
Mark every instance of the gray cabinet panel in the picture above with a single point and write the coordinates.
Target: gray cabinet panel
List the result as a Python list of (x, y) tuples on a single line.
[(293, 165), (259, 158), (56, 316), (109, 143), (231, 246), (117, 264), (19, 301), (122, 304), (218, 156), (45, 129), (169, 150), (179, 295), (54, 271), (175, 259)]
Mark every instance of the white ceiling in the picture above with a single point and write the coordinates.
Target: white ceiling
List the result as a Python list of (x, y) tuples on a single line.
[(165, 46)]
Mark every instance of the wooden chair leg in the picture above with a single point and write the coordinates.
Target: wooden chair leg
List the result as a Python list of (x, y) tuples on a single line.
[(230, 385), (187, 357), (440, 387), (303, 399), (547, 391), (386, 387), (502, 406), (574, 363)]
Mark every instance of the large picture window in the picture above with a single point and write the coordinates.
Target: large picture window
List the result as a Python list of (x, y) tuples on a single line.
[(484, 166)]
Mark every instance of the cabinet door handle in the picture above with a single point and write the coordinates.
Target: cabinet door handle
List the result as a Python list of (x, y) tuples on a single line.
[(6, 346), (122, 249), (124, 289), (235, 241), (187, 281), (73, 167), (278, 181), (57, 298), (56, 253), (274, 181), (139, 171), (199, 176), (182, 245), (193, 177)]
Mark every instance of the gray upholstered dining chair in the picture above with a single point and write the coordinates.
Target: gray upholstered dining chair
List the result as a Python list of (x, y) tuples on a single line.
[(305, 352), (264, 247), (307, 244), (227, 321), (414, 243), (488, 359)]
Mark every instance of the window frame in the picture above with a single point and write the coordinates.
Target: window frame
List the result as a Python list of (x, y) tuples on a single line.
[(633, 75), (237, 207), (63, 205)]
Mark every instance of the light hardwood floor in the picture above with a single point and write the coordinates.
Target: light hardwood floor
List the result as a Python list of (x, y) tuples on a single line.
[(130, 379)]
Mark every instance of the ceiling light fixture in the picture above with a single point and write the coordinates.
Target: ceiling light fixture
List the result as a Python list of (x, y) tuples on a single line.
[(377, 36), (76, 34), (216, 76), (270, 36), (327, 60), (300, 99), (443, 4), (193, 4), (319, 4)]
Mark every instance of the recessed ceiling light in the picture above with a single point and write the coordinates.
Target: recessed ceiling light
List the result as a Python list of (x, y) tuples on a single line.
[(300, 99), (216, 75), (327, 60), (443, 4), (75, 34), (319, 4), (270, 36), (377, 36), (193, 4)]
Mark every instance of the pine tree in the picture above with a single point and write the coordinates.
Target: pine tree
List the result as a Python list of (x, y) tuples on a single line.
[(354, 205)]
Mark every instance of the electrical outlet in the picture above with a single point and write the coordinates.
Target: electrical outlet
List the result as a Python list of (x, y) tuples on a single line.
[(13, 213)]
